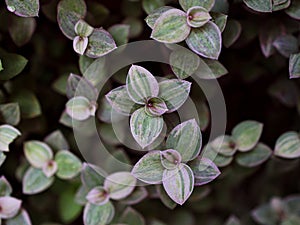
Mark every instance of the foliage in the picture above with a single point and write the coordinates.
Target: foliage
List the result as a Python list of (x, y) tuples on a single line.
[(159, 151)]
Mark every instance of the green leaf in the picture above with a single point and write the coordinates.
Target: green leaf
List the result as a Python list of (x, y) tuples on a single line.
[(280, 4), (187, 4), (184, 63), (155, 107), (60, 84), (186, 138), (174, 92), (232, 32), (22, 218), (25, 8), (288, 145), (69, 166), (100, 43), (294, 10), (120, 33), (37, 153), (68, 209), (80, 44), (9, 207), (149, 168), (56, 140), (84, 63), (1, 66), (219, 19), (141, 84), (294, 65), (12, 65), (144, 128), (179, 183), (7, 135), (286, 45), (164, 197), (206, 41), (80, 108), (96, 72), (210, 69), (21, 30), (218, 159), (35, 181), (119, 185), (151, 19), (132, 217), (204, 171), (291, 220), (98, 215), (29, 104), (171, 27), (151, 5), (5, 187), (246, 134), (92, 176), (197, 16), (255, 157), (259, 5), (68, 14), (120, 101), (10, 113), (83, 29), (98, 196), (225, 145), (264, 214)]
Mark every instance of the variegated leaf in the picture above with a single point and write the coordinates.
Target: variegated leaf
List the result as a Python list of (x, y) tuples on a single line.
[(37, 153), (5, 187), (179, 183), (50, 168), (206, 40), (204, 171), (259, 5), (98, 196), (69, 165), (149, 168), (144, 128), (197, 16), (225, 145), (255, 157), (25, 8), (155, 107), (21, 218), (98, 214), (7, 135), (186, 138), (80, 44), (288, 145), (219, 19), (174, 92), (187, 4), (80, 108), (35, 181), (294, 66), (141, 84), (83, 29), (131, 216), (170, 159), (119, 185), (171, 27), (9, 207), (246, 134), (100, 43), (120, 100), (151, 19)]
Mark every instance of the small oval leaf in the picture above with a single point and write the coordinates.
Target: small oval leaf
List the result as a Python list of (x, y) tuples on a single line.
[(9, 207), (288, 145), (206, 41), (171, 27), (170, 159), (25, 8), (149, 168), (141, 84), (179, 183), (294, 66), (80, 108), (98, 196), (37, 153), (187, 4), (7, 135), (98, 215), (69, 166), (144, 128), (186, 138)]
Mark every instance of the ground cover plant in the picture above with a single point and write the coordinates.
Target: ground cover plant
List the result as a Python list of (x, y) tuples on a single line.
[(149, 112)]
